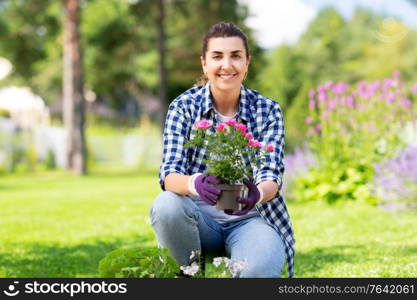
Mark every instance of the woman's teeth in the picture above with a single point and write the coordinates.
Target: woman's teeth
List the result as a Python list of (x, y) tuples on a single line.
[(226, 76)]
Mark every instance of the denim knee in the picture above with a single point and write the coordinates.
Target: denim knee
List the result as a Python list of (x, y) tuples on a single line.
[(170, 207)]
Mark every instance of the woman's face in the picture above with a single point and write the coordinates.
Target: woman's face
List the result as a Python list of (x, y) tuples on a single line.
[(225, 63)]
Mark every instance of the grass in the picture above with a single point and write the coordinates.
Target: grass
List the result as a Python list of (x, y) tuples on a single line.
[(53, 224)]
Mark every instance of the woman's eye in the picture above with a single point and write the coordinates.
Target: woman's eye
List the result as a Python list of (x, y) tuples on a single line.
[(236, 56), (217, 57)]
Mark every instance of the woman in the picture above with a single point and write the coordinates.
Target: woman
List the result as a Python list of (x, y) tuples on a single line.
[(184, 216)]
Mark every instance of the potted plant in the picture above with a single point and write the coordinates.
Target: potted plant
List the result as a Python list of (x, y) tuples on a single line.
[(231, 153)]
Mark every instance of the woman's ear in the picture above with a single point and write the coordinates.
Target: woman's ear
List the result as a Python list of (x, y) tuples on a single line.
[(203, 64), (248, 60)]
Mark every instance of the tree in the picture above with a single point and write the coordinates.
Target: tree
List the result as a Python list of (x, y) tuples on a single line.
[(74, 106), (163, 73)]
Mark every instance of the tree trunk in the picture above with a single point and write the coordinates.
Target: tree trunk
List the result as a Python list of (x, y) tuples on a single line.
[(163, 74), (74, 106)]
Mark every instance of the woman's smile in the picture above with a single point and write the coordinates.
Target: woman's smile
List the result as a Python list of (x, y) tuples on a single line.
[(227, 76)]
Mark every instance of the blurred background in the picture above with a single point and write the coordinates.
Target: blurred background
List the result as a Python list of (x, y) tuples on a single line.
[(85, 85)]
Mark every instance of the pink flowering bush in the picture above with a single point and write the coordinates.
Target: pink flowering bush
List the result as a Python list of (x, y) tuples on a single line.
[(351, 129), (231, 151)]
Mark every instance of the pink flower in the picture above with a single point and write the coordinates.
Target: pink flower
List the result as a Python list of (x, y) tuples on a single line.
[(270, 148), (221, 127), (340, 88), (309, 120), (254, 143), (388, 83), (231, 122), (249, 136), (405, 102), (203, 124), (349, 101), (241, 127), (361, 84), (321, 89), (396, 74), (322, 97), (311, 94), (390, 98), (328, 85), (312, 104), (332, 104), (414, 89)]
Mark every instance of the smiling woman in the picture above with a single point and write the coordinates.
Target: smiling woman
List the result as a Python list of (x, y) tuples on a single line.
[(184, 216)]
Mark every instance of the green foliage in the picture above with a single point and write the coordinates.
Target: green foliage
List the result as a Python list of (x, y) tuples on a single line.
[(138, 262), (119, 41), (4, 113), (336, 183), (50, 160)]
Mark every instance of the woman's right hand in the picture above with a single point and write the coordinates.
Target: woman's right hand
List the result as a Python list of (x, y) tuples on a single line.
[(206, 190)]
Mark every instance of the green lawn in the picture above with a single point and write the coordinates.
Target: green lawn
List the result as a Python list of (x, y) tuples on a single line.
[(58, 225)]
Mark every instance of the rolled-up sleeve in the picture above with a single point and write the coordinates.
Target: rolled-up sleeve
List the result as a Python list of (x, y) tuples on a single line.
[(174, 137), (273, 133)]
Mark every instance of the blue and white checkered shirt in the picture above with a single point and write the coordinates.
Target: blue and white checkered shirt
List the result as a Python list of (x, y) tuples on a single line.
[(263, 118)]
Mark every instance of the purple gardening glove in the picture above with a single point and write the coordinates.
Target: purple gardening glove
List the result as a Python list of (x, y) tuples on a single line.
[(205, 189), (249, 201)]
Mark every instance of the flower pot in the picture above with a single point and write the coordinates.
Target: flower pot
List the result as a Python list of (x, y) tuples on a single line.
[(229, 195)]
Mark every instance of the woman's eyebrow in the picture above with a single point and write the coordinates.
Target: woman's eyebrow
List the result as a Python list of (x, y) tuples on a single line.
[(220, 52)]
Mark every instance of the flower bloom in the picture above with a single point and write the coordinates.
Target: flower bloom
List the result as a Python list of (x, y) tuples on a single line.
[(340, 88), (414, 89), (312, 104), (190, 270), (241, 127), (405, 102), (203, 124), (349, 101), (322, 97), (270, 148), (231, 122), (309, 120), (249, 136), (254, 143), (311, 94), (328, 85), (221, 127), (217, 261)]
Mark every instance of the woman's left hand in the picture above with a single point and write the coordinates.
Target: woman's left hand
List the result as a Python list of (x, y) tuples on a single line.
[(248, 202)]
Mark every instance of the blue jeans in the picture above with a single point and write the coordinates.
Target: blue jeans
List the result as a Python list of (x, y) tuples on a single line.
[(181, 227)]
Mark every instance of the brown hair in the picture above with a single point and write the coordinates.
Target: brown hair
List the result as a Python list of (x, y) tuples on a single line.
[(222, 29)]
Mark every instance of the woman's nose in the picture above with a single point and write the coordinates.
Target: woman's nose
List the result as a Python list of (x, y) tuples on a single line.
[(227, 63)]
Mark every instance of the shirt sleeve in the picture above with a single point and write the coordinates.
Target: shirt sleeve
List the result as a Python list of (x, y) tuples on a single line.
[(176, 132), (273, 133)]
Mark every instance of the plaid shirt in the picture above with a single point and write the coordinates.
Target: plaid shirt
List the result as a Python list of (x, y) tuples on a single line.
[(263, 118)]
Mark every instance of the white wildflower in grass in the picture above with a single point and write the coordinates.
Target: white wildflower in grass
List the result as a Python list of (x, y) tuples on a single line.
[(190, 270), (237, 266), (217, 261), (192, 254), (229, 266)]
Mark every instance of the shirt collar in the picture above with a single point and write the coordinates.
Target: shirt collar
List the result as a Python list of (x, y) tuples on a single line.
[(244, 111)]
